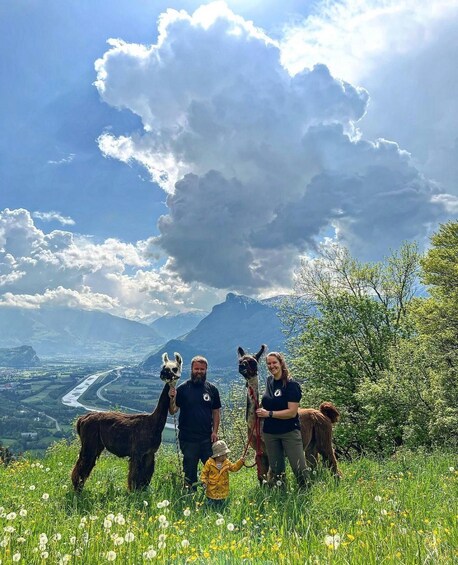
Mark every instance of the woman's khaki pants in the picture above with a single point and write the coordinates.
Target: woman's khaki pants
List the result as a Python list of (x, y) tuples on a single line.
[(290, 445)]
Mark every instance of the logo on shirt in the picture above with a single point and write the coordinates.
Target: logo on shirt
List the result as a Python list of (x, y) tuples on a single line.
[(206, 397), (277, 392)]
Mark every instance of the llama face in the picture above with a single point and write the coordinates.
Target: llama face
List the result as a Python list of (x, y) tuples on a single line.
[(171, 370), (248, 364)]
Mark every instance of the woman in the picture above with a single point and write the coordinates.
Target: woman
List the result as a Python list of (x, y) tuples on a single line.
[(281, 429)]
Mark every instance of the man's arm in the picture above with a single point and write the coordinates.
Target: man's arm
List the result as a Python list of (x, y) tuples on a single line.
[(216, 414)]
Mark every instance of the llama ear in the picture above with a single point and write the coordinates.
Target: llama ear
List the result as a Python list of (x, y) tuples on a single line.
[(178, 359), (165, 358), (260, 352), (241, 352)]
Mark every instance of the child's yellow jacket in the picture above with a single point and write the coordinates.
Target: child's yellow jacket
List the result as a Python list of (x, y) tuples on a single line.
[(217, 480)]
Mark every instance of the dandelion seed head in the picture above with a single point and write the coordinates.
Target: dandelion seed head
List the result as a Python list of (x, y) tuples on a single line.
[(45, 496), (332, 542), (16, 557), (230, 527), (162, 537), (32, 487), (111, 556), (129, 537), (184, 543), (23, 512), (187, 512), (219, 521), (378, 498)]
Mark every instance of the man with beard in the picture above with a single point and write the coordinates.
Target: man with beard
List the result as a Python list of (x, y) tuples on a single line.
[(198, 423)]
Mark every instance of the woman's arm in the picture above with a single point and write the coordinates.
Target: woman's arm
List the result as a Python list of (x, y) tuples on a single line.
[(286, 414)]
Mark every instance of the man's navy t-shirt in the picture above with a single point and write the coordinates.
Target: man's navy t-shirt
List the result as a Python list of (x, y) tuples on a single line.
[(196, 402)]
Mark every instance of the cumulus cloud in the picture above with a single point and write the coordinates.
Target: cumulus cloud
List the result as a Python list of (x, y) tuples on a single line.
[(404, 52), (53, 216), (62, 269), (258, 161)]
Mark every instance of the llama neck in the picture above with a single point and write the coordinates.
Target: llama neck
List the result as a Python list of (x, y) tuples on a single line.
[(162, 408), (252, 399)]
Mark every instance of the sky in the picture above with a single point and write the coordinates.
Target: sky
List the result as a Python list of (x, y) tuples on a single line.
[(155, 155)]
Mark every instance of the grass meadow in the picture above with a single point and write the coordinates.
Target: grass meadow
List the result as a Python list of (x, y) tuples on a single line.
[(402, 510)]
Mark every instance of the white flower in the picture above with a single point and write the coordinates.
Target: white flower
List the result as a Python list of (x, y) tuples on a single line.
[(20, 540), (119, 519), (16, 557), (150, 554), (244, 522), (145, 503), (129, 537), (60, 464), (47, 469), (278, 483), (57, 537), (360, 512), (9, 529), (110, 517), (43, 538), (32, 487), (230, 527), (22, 512), (451, 469), (118, 540), (184, 543), (11, 516), (161, 545), (383, 512), (162, 518), (111, 556), (164, 524), (332, 541), (162, 537), (41, 546), (165, 503), (65, 559), (187, 512), (45, 496), (73, 540), (377, 498), (160, 505), (107, 524), (44, 555), (219, 521)]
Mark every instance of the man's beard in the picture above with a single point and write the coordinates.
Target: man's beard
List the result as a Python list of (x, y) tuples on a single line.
[(197, 378)]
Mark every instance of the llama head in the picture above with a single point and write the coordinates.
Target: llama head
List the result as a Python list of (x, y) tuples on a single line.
[(248, 364), (171, 369)]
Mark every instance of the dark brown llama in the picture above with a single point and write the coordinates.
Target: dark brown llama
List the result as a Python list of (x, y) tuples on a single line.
[(316, 425), (137, 436)]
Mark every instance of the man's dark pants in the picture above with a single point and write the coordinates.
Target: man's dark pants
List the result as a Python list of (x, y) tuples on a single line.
[(193, 451)]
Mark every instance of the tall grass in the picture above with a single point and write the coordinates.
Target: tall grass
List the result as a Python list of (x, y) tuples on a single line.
[(401, 510)]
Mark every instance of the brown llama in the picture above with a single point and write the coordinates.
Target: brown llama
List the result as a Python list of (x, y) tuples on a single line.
[(137, 436), (316, 425)]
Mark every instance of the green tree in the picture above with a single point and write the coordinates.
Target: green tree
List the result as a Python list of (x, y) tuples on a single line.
[(436, 319), (342, 320)]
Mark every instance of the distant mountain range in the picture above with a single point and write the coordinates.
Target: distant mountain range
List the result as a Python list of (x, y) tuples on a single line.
[(173, 326), (66, 333), (18, 357), (237, 321), (79, 334)]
